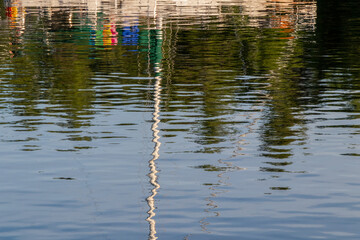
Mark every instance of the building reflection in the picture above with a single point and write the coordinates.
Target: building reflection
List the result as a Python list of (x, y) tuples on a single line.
[(105, 16)]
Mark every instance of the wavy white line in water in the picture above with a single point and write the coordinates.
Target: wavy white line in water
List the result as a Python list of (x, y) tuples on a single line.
[(153, 171)]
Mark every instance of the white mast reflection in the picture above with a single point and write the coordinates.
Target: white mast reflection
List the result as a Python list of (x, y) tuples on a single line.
[(154, 128), (153, 171)]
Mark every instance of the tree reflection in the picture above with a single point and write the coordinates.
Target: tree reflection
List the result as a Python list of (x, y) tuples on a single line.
[(71, 45), (219, 66)]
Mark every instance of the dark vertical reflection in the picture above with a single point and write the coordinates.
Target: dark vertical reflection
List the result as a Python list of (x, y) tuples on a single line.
[(337, 33), (2, 10)]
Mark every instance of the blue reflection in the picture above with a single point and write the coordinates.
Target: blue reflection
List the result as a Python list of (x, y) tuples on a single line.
[(130, 35)]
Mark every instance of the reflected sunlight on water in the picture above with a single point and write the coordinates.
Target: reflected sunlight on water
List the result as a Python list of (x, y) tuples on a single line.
[(255, 105)]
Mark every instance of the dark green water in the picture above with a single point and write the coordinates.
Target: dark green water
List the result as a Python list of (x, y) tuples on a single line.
[(199, 120)]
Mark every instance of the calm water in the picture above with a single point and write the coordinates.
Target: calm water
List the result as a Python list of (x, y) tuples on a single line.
[(184, 120)]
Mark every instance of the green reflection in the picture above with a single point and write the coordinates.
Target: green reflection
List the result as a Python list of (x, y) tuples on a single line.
[(221, 78), (218, 73)]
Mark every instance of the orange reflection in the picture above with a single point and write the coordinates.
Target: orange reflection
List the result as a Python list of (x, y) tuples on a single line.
[(109, 35), (287, 15)]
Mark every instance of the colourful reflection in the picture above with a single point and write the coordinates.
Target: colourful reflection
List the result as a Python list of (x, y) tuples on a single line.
[(109, 23)]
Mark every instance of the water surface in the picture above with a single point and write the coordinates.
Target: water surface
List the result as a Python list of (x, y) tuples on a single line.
[(179, 120)]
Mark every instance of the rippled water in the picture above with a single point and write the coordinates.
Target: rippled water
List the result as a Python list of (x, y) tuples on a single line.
[(179, 119)]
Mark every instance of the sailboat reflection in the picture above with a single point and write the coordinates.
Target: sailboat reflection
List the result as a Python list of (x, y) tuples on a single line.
[(154, 128)]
